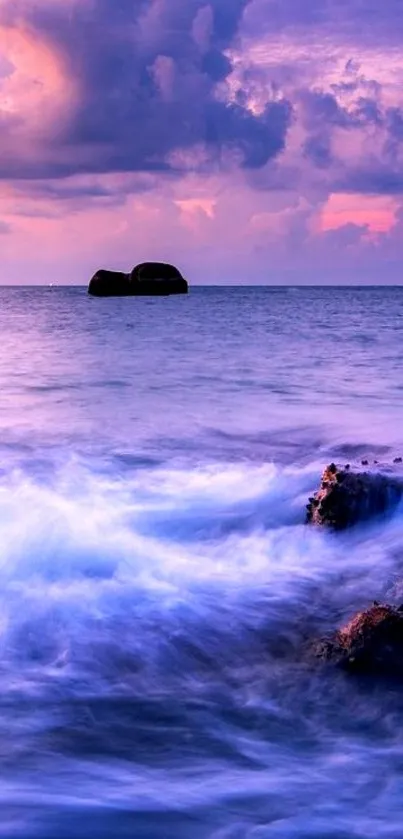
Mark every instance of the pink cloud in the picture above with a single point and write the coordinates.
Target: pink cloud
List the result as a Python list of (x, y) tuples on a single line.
[(38, 92), (149, 143), (376, 212)]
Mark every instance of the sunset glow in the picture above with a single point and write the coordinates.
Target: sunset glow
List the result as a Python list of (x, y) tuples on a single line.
[(268, 129), (376, 212), (37, 90)]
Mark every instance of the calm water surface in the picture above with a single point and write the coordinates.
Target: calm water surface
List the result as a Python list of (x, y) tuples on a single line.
[(157, 583)]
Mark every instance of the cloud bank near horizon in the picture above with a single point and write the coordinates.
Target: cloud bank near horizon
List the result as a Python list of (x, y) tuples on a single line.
[(246, 140)]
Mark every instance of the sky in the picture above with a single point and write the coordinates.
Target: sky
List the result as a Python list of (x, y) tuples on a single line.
[(246, 141)]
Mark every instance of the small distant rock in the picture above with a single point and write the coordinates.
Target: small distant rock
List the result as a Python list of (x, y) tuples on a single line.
[(372, 642), (346, 498), (108, 284), (398, 460), (147, 279)]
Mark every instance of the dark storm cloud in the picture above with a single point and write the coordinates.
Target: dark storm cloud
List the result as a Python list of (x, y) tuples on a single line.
[(48, 199), (322, 115), (147, 74), (317, 149), (368, 112), (366, 21), (322, 109), (371, 179), (151, 74)]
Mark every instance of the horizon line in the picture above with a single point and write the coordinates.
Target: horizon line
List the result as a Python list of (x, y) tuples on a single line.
[(268, 286)]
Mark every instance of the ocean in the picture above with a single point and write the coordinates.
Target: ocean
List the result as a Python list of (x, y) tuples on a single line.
[(158, 585)]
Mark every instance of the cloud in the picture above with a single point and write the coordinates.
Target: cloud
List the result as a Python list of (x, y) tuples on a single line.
[(169, 86), (346, 98), (364, 21), (146, 80), (253, 137), (371, 179)]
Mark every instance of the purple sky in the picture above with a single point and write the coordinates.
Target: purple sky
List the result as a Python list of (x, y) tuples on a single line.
[(247, 142)]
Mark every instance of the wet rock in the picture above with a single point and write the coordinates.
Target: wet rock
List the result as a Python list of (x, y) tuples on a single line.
[(372, 642), (346, 498)]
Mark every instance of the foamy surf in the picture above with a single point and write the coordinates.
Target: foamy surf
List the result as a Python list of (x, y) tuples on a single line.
[(215, 551)]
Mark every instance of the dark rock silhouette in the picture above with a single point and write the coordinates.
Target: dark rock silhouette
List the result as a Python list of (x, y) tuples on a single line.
[(148, 278), (109, 284), (346, 498), (372, 643)]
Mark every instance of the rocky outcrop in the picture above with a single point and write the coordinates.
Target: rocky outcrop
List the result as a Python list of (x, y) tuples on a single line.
[(372, 642), (109, 284), (146, 279), (346, 497), (157, 278)]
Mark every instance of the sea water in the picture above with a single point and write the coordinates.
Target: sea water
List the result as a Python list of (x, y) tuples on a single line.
[(158, 585)]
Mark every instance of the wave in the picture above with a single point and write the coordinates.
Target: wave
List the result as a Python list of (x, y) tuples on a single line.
[(170, 570), (151, 629)]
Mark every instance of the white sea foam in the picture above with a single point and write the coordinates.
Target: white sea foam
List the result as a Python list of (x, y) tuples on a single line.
[(89, 560)]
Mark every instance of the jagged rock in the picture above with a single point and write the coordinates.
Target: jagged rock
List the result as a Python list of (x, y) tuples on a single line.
[(146, 279), (372, 642), (346, 498)]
